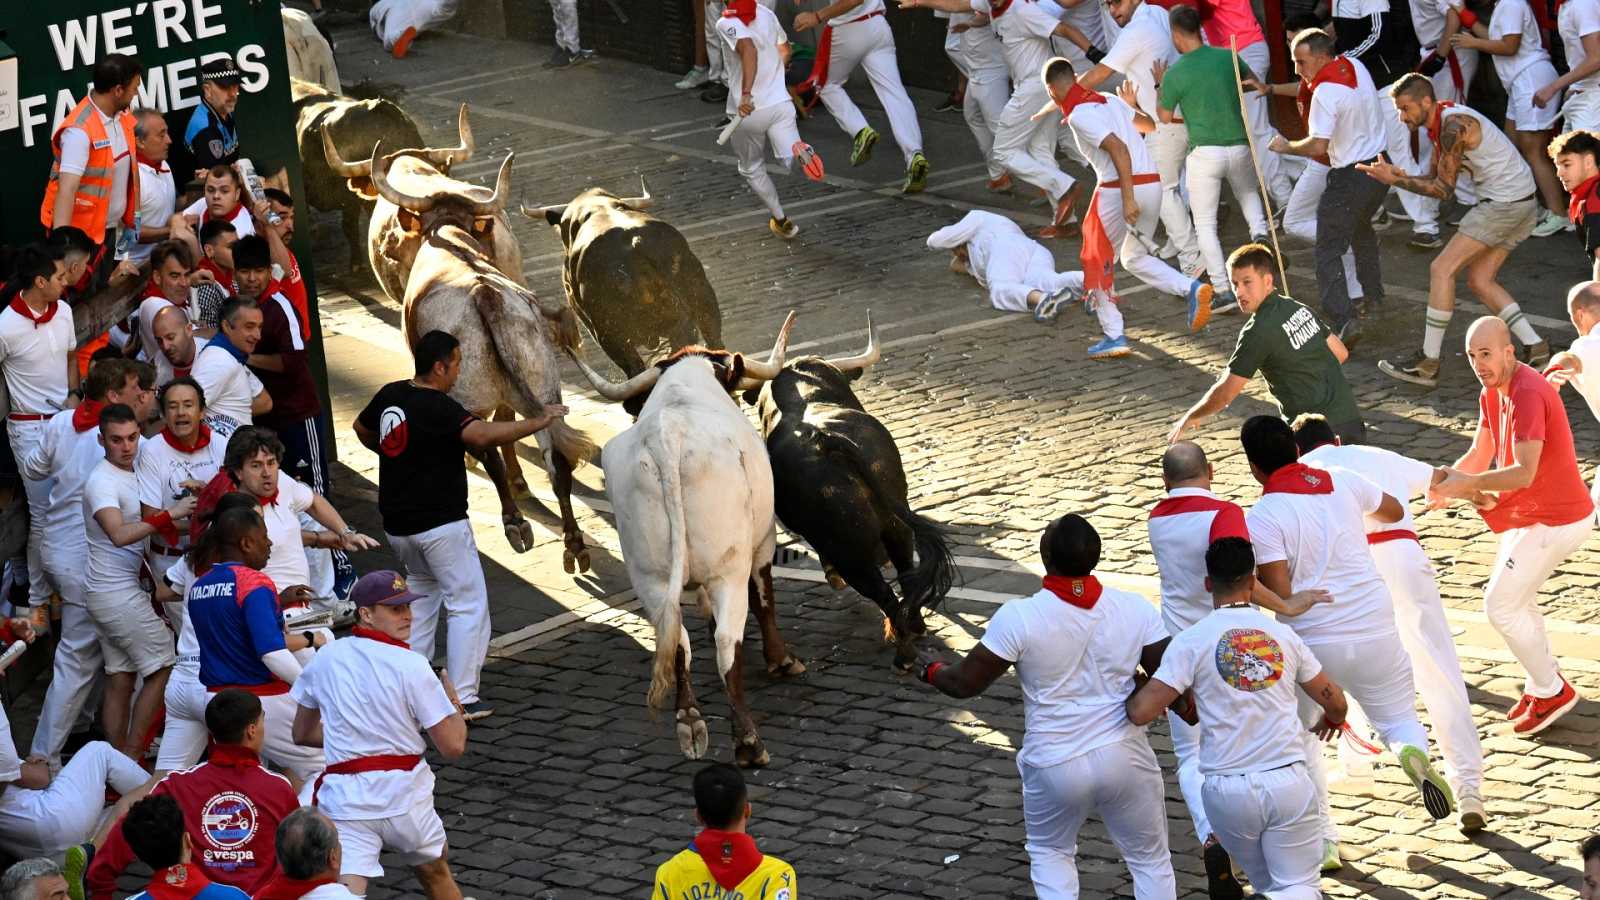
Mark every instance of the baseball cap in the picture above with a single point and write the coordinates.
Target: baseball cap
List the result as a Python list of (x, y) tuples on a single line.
[(385, 587), (221, 71)]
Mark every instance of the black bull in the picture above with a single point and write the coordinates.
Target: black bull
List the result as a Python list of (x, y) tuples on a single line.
[(838, 483)]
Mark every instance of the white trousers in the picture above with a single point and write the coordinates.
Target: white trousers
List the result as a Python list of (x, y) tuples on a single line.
[(77, 666), (1273, 170), (1300, 218), (1027, 147), (1527, 557), (1168, 146), (1419, 616), (988, 91), (869, 43), (1186, 746), (25, 438), (1208, 167), (442, 565), (1267, 821), (1121, 783), (1133, 247), (279, 748), (66, 812), (565, 14), (773, 125), (1012, 278), (184, 736), (714, 65)]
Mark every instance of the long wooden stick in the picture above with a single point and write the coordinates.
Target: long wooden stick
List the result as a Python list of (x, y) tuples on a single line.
[(1250, 139)]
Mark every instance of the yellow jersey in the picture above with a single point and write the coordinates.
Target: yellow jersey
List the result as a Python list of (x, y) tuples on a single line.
[(687, 877)]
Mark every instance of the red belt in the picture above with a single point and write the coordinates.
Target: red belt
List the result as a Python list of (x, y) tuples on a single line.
[(28, 417), (1384, 537), (862, 18), (269, 689), (387, 763), (1149, 178)]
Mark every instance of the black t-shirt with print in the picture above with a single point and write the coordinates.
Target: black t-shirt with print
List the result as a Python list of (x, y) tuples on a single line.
[(422, 478)]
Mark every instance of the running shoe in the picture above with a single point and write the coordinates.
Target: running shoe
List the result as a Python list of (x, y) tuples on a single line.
[(1109, 348), (481, 709), (952, 103), (1436, 798), (75, 869), (1472, 819), (1065, 222), (403, 46), (696, 77), (1536, 355), (861, 147), (1331, 862), (1220, 883), (1001, 185), (1200, 295), (1223, 302), (1521, 709), (1551, 223), (1418, 368), (1047, 309), (916, 174), (810, 162), (784, 228), (1542, 712), (1426, 240), (714, 93)]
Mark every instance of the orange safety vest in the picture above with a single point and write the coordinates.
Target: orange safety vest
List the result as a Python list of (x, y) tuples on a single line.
[(93, 200)]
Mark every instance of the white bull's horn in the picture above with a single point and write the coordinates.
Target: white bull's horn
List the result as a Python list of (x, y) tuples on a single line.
[(336, 162), (551, 213), (644, 200), (863, 359), (502, 189), (380, 182), (446, 157), (616, 391), (766, 371)]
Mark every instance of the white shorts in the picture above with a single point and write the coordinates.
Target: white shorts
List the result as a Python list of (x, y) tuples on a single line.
[(1519, 101), (417, 836), (132, 637), (1582, 110)]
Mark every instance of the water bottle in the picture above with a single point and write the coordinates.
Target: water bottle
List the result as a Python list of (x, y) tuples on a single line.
[(16, 649), (127, 239), (252, 185)]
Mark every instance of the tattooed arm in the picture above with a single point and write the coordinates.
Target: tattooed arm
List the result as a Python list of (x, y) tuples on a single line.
[(1457, 135)]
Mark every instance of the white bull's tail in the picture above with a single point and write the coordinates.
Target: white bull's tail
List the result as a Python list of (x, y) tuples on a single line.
[(667, 617)]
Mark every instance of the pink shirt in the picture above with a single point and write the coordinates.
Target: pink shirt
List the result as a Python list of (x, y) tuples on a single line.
[(1228, 18)]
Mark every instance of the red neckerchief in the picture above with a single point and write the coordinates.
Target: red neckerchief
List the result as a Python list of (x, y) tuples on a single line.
[(206, 216), (235, 756), (179, 882), (224, 276), (151, 289), (1338, 71), (1076, 95), (269, 500), (285, 888), (1585, 201), (1082, 592), (1298, 478), (201, 439), (1435, 120), (376, 635), (730, 856), (160, 167), (21, 308), (997, 8), (87, 415), (743, 10)]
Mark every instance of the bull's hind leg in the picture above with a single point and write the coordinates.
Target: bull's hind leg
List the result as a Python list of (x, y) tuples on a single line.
[(900, 543), (693, 739), (514, 477), (519, 531), (730, 612), (764, 601), (575, 556), (862, 574)]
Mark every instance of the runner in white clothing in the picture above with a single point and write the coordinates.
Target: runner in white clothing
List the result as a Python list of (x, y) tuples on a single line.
[(973, 48), (235, 396), (758, 52), (307, 847), (1077, 646), (178, 461), (1243, 668), (1419, 613), (1309, 530), (1019, 273), (365, 700), (1579, 364), (1578, 22)]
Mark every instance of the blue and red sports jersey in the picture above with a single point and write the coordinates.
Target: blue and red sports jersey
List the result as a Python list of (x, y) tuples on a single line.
[(237, 621)]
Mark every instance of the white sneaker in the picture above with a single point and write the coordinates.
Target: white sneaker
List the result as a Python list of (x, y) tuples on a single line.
[(1550, 224), (699, 76), (1469, 804)]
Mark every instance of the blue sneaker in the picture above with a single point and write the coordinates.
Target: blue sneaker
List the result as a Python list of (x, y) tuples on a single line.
[(1224, 302), (1108, 348), (1199, 304)]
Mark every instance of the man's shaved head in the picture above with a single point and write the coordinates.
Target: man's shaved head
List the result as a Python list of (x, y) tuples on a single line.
[(1584, 295), (1488, 331), (1489, 351), (1183, 461)]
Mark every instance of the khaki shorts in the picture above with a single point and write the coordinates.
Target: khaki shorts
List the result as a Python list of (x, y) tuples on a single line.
[(1501, 224), (132, 637)]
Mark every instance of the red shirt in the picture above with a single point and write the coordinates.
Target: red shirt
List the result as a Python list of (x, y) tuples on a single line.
[(1532, 411), (231, 806)]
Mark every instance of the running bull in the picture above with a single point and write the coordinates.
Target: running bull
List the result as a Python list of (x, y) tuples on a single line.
[(632, 278), (840, 485), (692, 490), (508, 336)]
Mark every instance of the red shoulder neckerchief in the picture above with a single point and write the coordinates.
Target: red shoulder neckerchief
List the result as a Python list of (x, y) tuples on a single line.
[(160, 167), (224, 276), (376, 635), (206, 216), (1585, 201), (233, 756), (1076, 95), (1298, 478), (997, 8), (1436, 120), (1338, 71), (86, 415), (201, 439), (743, 10), (730, 856), (179, 882), (1083, 592), (21, 308)]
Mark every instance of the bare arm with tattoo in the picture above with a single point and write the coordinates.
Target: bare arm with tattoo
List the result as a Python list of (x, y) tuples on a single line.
[(1457, 135)]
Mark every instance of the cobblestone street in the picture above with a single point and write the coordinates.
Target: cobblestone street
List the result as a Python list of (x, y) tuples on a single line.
[(879, 787)]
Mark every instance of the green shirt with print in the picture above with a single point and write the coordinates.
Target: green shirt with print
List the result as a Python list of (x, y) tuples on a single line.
[(1200, 86), (1286, 342)]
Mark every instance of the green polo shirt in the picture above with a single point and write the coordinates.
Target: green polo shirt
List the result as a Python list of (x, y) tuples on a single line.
[(1286, 342), (1200, 86)]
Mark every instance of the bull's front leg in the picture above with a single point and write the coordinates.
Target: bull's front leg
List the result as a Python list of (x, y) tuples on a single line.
[(574, 556), (519, 531), (514, 479), (763, 600), (350, 225)]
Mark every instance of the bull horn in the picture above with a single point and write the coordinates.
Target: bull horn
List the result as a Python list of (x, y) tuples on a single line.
[(644, 201), (336, 162), (446, 158), (551, 214), (766, 371), (380, 182), (502, 189), (865, 358), (616, 391)]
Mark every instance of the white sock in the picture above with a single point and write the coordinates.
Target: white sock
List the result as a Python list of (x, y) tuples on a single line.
[(762, 184), (1105, 309), (1437, 320), (1520, 326)]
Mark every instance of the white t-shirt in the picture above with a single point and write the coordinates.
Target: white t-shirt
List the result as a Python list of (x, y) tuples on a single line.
[(229, 387), (75, 159), (980, 55), (162, 468), (1575, 19), (867, 8), (1587, 382), (34, 358), (1182, 527), (987, 237), (67, 457), (1516, 17), (1075, 666), (1401, 477), (287, 564), (1245, 669), (1427, 20), (1324, 539), (1146, 38), (158, 198), (1092, 122), (181, 578), (10, 762), (243, 222), (767, 35), (374, 698), (111, 568), (148, 308), (1359, 9), (1350, 119), (1024, 32)]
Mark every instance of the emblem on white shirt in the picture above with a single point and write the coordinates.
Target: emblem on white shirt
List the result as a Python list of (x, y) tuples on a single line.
[(1248, 659)]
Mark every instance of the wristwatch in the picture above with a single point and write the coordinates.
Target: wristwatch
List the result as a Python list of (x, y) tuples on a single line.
[(311, 639)]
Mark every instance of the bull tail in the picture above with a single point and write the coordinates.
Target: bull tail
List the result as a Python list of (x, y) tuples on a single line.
[(571, 443), (935, 572), (667, 618)]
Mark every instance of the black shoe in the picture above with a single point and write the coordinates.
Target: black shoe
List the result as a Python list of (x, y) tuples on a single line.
[(481, 709), (1220, 883), (716, 93), (1350, 332), (1426, 240), (951, 103), (560, 59)]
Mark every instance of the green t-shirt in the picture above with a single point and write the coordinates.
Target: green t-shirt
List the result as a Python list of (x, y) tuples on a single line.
[(1200, 85), (1288, 345)]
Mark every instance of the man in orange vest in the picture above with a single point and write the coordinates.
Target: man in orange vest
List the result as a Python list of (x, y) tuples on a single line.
[(92, 182)]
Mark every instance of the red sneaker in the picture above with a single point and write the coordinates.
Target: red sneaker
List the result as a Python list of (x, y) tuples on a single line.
[(1521, 708), (1543, 712), (403, 46), (1000, 185), (810, 162), (1064, 223)]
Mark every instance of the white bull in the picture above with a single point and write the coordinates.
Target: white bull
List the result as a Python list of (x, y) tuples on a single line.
[(692, 491)]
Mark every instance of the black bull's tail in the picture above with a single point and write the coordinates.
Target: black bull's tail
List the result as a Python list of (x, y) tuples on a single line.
[(934, 573)]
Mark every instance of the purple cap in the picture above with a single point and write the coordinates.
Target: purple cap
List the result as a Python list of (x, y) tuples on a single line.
[(385, 587)]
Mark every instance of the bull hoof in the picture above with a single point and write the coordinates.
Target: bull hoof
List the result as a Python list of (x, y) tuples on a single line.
[(520, 489), (693, 739), (749, 753), (903, 665), (789, 668), (834, 581), (574, 563), (519, 534)]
